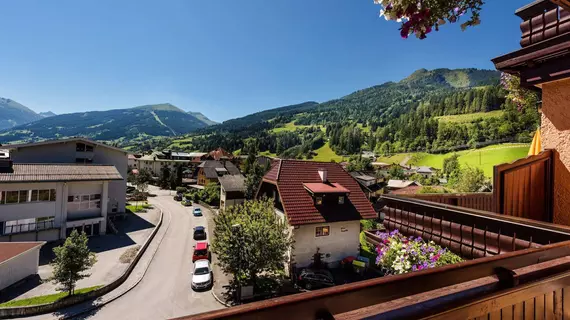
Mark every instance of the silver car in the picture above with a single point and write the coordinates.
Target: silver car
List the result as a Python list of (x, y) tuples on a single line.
[(202, 275)]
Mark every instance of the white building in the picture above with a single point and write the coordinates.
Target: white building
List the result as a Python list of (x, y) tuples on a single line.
[(158, 159), (323, 205), (18, 260), (49, 188)]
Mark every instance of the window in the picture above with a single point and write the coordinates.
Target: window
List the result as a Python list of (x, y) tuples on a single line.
[(83, 160), (44, 195), (318, 201), (88, 148), (2, 197), (25, 225), (35, 196), (80, 147), (341, 200), (85, 201), (12, 196), (322, 231)]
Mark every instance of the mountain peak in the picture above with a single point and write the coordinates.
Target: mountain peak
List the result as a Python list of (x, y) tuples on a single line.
[(160, 107), (455, 78)]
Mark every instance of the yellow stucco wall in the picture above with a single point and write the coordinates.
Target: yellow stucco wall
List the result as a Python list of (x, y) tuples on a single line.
[(555, 130)]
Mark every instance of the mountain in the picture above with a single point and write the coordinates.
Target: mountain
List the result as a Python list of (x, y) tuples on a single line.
[(410, 115), (121, 125), (202, 117), (47, 114), (13, 114)]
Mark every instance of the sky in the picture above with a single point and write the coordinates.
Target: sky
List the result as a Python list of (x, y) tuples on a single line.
[(223, 58)]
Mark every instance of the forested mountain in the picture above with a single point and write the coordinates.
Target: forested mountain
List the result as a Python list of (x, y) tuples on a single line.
[(405, 116), (123, 126), (13, 114)]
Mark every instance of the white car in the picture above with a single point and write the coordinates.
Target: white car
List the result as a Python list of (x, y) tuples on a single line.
[(202, 275)]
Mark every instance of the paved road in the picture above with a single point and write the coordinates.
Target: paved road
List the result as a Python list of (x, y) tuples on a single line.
[(165, 289)]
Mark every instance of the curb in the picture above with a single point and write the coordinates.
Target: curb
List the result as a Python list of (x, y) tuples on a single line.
[(103, 303), (220, 300)]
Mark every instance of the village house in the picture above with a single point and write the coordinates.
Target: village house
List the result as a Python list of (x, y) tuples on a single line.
[(49, 188), (18, 261), (210, 170), (394, 184), (232, 190), (158, 159), (323, 205)]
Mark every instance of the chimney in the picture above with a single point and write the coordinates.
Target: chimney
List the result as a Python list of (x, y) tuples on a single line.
[(323, 174), (5, 162)]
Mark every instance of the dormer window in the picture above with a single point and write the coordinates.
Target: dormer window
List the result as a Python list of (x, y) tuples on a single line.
[(341, 200), (318, 200)]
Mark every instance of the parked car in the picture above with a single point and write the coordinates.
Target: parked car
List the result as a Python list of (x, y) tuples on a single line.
[(178, 197), (186, 202), (202, 275), (310, 279), (199, 233), (197, 212), (201, 251)]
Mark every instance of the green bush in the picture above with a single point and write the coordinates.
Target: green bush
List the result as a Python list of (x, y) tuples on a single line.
[(368, 224), (181, 190)]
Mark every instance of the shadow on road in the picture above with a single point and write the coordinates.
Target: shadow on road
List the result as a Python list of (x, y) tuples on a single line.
[(70, 312), (20, 288)]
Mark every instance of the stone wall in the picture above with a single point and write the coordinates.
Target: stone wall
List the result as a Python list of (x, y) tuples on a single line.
[(555, 130)]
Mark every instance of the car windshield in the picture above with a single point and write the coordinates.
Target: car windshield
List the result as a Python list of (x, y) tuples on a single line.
[(201, 252), (201, 271)]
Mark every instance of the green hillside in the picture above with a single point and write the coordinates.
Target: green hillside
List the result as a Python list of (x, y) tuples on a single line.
[(470, 117), (484, 158), (125, 126), (13, 114)]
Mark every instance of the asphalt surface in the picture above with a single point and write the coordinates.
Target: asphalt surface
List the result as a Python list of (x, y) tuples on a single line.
[(165, 290)]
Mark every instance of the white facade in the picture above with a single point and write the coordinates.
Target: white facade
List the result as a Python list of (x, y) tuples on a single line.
[(342, 241), (19, 267), (50, 211), (69, 151), (225, 202)]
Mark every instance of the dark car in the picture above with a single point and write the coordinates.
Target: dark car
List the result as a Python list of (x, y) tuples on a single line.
[(310, 279), (178, 197), (199, 233)]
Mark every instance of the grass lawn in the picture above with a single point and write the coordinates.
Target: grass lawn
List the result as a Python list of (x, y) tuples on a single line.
[(463, 118), (268, 154), (44, 299), (484, 158), (326, 154), (138, 206), (291, 126), (397, 158)]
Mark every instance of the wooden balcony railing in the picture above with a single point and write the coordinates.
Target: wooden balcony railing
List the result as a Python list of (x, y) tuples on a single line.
[(476, 200), (429, 293), (542, 20)]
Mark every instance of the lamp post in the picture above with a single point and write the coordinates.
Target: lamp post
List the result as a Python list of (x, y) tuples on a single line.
[(236, 228)]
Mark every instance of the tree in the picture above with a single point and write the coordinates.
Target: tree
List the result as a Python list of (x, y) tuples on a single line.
[(451, 165), (141, 183), (211, 194), (420, 17), (250, 239), (396, 172), (71, 261), (470, 179), (164, 179)]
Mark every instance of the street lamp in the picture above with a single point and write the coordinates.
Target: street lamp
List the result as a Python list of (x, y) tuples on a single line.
[(236, 228)]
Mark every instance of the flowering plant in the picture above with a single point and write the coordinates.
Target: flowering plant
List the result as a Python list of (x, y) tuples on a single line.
[(517, 94), (419, 17), (398, 254)]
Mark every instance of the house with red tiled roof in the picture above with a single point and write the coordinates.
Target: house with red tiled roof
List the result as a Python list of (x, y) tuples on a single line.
[(323, 205), (220, 154)]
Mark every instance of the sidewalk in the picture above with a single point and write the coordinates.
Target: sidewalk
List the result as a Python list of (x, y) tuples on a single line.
[(221, 280), (134, 278)]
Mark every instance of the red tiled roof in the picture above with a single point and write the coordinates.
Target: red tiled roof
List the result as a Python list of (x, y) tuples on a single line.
[(290, 177), (220, 153), (319, 187), (9, 250)]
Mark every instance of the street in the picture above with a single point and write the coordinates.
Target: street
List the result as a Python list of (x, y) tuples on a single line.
[(165, 291)]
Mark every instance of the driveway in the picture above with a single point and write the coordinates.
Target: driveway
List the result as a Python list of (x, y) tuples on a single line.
[(133, 231), (165, 291)]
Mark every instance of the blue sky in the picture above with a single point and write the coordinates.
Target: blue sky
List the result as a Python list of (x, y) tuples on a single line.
[(222, 58)]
